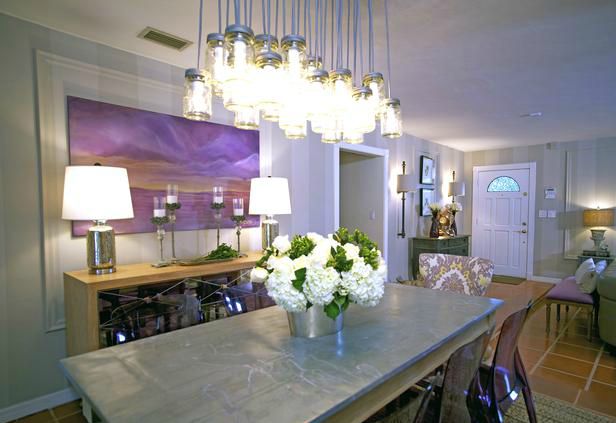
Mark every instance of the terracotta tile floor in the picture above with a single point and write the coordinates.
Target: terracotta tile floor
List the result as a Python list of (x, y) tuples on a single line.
[(563, 364)]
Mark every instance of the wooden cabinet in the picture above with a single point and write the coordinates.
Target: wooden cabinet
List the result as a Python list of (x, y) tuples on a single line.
[(458, 246), (81, 291)]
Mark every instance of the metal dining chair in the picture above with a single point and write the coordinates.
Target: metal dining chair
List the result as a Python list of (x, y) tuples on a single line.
[(498, 386)]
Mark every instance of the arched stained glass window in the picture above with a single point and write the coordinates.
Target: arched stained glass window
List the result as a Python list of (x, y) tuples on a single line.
[(504, 184)]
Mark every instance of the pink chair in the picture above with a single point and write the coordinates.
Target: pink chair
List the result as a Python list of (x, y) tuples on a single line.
[(567, 293)]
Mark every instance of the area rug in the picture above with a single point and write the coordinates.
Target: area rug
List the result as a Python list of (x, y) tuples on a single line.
[(551, 410), (511, 280)]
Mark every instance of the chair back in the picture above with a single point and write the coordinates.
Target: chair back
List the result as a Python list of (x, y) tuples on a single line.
[(507, 376), (464, 275)]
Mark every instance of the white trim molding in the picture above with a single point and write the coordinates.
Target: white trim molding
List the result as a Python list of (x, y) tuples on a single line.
[(369, 151), (35, 405), (546, 279)]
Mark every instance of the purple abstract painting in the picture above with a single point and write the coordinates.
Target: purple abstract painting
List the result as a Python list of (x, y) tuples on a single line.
[(158, 149)]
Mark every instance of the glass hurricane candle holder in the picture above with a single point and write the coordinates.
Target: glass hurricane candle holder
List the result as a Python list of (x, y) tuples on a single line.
[(172, 205), (159, 219), (217, 205), (238, 217)]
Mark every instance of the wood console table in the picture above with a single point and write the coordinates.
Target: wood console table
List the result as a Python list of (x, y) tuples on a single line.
[(457, 246), (81, 293)]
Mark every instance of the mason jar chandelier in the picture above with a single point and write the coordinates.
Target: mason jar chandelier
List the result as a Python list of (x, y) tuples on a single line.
[(305, 80)]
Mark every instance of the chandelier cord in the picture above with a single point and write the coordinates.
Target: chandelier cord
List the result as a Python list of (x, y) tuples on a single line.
[(339, 63), (348, 47), (263, 10), (245, 12), (355, 6), (250, 15), (227, 17), (361, 43), (219, 18), (284, 18), (324, 32), (200, 33), (276, 20), (332, 41), (388, 51), (237, 11), (370, 38), (308, 9), (317, 46)]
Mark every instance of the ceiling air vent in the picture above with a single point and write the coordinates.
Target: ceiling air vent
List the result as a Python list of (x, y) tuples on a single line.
[(164, 38)]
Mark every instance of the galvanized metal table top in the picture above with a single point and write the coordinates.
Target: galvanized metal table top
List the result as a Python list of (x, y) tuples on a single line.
[(248, 369)]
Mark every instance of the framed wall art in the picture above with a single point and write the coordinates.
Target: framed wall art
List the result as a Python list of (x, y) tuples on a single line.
[(426, 164), (426, 197)]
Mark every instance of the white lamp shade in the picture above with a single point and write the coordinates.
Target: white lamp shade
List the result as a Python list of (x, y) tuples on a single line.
[(96, 193), (405, 183), (457, 188), (269, 196)]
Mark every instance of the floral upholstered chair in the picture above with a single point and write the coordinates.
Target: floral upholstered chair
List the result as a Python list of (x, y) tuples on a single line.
[(464, 275)]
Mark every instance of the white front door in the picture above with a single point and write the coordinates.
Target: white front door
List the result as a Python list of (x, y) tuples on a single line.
[(501, 217)]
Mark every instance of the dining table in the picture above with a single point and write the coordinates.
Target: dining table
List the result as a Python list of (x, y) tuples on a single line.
[(248, 368)]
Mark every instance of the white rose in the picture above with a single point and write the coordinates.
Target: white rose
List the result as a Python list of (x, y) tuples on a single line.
[(321, 253), (314, 237), (258, 275), (352, 251), (300, 263), (281, 264), (282, 243)]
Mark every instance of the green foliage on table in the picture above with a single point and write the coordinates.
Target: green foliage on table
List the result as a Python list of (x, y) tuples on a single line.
[(217, 206), (300, 278), (223, 251), (339, 260), (368, 249), (301, 246), (158, 221), (173, 206)]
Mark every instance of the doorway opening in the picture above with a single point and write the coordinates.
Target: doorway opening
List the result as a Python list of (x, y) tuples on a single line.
[(503, 226), (361, 191)]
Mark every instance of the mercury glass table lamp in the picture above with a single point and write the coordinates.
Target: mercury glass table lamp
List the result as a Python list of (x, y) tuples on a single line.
[(597, 219), (97, 193), (269, 196)]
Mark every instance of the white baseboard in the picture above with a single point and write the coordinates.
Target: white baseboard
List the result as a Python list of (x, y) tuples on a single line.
[(543, 279), (35, 405)]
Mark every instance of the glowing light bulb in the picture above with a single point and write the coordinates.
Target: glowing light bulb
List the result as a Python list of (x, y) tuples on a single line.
[(268, 76), (362, 111), (376, 83), (238, 92), (215, 61)]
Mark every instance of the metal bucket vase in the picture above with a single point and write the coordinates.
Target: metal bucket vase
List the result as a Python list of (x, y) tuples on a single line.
[(313, 323)]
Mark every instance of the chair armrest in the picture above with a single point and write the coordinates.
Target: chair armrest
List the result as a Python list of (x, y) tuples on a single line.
[(606, 287)]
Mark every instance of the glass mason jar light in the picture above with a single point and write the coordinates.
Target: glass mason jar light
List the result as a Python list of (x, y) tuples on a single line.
[(341, 87), (317, 99), (314, 63), (265, 43), (268, 75), (363, 111), (215, 61), (293, 119), (239, 64), (376, 83), (246, 117), (391, 118), (197, 104), (294, 55)]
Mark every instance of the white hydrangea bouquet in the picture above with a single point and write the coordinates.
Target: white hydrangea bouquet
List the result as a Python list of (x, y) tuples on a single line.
[(329, 272)]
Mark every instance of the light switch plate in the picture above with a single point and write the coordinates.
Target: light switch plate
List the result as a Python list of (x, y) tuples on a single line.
[(543, 213), (552, 214)]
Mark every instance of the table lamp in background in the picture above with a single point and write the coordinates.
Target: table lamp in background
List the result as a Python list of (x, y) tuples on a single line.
[(597, 219), (97, 193), (269, 196)]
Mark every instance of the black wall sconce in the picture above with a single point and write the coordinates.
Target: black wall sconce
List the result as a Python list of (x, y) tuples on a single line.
[(404, 185)]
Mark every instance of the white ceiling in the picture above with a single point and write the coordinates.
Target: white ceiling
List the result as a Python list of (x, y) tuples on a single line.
[(465, 70)]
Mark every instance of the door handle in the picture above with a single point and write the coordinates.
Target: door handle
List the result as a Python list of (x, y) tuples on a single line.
[(523, 231)]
